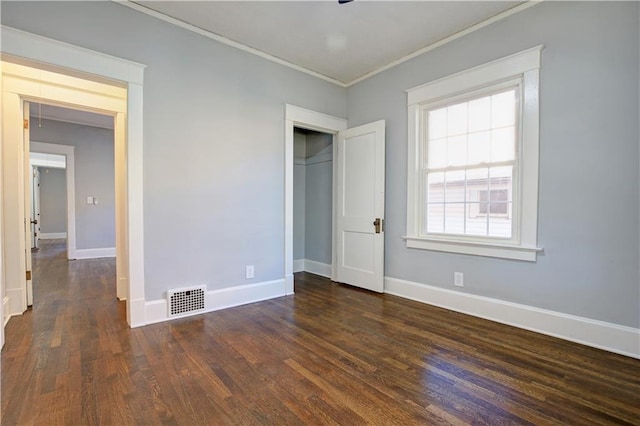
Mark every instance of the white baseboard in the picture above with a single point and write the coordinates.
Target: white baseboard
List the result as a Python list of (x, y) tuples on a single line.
[(15, 302), (298, 265), (5, 311), (599, 334), (95, 253), (53, 235), (317, 268), (288, 285), (156, 310), (137, 308)]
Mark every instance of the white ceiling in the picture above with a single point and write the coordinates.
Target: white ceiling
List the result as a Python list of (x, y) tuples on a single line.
[(342, 42)]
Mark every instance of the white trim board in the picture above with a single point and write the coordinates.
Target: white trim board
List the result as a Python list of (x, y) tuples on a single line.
[(95, 253), (598, 334), (156, 310), (5, 311), (318, 268), (298, 265), (53, 235), (313, 267)]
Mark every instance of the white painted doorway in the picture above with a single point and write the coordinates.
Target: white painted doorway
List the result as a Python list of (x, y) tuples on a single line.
[(49, 54), (348, 265), (313, 202), (21, 85), (64, 157)]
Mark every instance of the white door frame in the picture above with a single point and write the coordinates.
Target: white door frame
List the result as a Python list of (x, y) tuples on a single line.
[(311, 120), (51, 54), (69, 152)]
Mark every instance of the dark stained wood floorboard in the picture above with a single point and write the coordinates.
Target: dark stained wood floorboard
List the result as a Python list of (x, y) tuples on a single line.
[(330, 354)]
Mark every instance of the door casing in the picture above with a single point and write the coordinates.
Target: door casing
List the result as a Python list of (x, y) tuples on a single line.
[(311, 120), (51, 55), (69, 152)]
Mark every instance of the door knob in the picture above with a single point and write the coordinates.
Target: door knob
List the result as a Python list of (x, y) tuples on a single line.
[(378, 223)]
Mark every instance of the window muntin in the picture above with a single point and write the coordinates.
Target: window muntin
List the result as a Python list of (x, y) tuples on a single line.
[(470, 152)]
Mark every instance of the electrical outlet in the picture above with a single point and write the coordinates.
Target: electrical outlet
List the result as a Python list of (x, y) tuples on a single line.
[(458, 279), (249, 272), (89, 200)]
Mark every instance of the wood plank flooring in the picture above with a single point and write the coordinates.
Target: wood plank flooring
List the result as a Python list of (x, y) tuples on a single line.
[(331, 354)]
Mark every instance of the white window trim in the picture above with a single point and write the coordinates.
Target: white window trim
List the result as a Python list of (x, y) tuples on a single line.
[(524, 65)]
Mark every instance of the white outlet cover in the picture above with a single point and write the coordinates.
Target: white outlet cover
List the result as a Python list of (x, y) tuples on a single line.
[(89, 200), (458, 279), (250, 271)]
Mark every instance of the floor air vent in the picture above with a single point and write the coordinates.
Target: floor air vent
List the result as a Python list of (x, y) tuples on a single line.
[(186, 300)]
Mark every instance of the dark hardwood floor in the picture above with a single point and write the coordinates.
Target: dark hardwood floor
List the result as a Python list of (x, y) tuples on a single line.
[(331, 354)]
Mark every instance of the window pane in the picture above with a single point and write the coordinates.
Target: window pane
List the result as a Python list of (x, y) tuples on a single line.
[(503, 109), (435, 187), (498, 208), (479, 150), (435, 218), (481, 175), (475, 200), (455, 184), (437, 123), (500, 226), (457, 119), (480, 114), (476, 222), (437, 156), (477, 181), (457, 151), (454, 221), (503, 144), (501, 182)]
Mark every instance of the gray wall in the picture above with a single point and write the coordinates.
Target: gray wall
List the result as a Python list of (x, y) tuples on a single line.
[(213, 140), (53, 200), (94, 177), (319, 202), (588, 208)]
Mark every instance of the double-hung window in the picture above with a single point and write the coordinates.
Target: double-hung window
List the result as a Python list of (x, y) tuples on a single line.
[(473, 160)]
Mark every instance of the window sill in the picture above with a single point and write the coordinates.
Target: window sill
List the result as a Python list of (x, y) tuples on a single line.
[(503, 251)]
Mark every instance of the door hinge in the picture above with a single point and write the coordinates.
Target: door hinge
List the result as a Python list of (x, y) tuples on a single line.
[(28, 275), (26, 123)]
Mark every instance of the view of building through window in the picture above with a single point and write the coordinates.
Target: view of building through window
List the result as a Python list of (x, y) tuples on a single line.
[(470, 159)]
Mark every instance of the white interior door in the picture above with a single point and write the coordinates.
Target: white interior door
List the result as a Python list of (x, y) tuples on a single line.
[(360, 206), (28, 179), (35, 209)]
